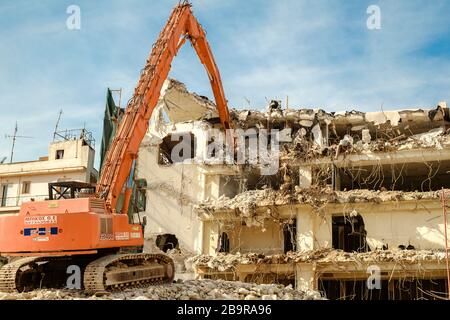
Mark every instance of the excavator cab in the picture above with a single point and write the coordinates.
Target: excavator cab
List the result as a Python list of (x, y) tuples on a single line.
[(70, 190)]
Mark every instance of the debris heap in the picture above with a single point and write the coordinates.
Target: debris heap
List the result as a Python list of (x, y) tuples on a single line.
[(247, 201), (185, 290), (227, 262)]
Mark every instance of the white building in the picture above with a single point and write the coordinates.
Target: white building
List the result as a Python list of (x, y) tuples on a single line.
[(67, 160)]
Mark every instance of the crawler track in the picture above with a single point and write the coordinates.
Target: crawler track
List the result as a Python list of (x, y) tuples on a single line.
[(108, 273), (115, 272), (15, 276)]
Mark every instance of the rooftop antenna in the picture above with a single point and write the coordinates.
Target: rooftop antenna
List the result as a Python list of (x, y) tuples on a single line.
[(57, 124), (3, 160), (14, 137)]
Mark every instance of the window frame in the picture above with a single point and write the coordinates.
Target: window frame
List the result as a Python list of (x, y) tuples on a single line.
[(59, 151), (27, 189)]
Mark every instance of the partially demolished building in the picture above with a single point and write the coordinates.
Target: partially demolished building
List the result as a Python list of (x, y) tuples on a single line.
[(356, 200)]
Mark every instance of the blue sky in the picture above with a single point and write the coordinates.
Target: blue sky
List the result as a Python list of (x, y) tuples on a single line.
[(319, 53)]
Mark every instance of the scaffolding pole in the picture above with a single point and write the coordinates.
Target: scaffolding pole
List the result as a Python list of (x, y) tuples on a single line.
[(444, 211)]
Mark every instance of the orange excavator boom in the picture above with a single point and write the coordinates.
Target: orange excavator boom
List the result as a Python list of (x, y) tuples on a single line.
[(181, 25), (52, 235)]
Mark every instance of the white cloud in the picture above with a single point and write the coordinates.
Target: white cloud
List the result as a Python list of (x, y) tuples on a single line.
[(322, 55)]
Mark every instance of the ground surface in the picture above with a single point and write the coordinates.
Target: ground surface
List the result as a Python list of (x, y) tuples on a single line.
[(182, 290)]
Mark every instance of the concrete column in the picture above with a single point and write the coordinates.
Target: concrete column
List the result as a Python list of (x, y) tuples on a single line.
[(305, 230), (305, 174), (202, 135), (201, 239), (212, 184), (206, 225), (215, 187), (305, 278), (210, 237), (323, 237), (336, 178)]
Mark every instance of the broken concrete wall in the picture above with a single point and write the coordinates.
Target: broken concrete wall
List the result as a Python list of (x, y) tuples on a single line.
[(388, 225), (265, 238), (172, 190), (422, 228), (181, 105), (313, 232)]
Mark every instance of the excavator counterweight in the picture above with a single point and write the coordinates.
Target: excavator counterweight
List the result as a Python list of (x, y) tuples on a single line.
[(46, 237)]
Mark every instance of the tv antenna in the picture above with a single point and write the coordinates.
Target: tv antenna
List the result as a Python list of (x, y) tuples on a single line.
[(57, 124), (14, 137)]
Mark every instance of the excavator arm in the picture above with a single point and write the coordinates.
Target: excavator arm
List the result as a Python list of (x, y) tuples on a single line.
[(182, 25)]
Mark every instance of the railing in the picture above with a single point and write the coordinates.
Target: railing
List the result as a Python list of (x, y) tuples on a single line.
[(75, 134), (17, 201)]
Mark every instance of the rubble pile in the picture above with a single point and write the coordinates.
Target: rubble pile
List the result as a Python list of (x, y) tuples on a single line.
[(183, 290), (247, 201), (315, 132), (301, 148), (227, 262)]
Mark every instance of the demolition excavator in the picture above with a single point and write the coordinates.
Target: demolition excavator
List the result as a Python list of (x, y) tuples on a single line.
[(91, 232)]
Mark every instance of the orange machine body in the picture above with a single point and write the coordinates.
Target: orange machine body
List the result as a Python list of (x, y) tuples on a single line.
[(69, 226)]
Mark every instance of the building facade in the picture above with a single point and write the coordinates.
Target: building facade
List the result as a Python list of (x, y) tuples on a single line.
[(69, 159), (354, 210)]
